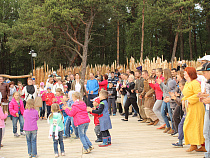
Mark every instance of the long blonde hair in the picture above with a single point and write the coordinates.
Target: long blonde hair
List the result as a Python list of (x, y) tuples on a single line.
[(30, 104), (16, 93), (77, 96), (167, 75), (55, 108)]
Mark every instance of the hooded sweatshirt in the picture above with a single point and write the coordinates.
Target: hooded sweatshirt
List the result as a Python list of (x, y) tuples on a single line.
[(172, 88), (79, 113)]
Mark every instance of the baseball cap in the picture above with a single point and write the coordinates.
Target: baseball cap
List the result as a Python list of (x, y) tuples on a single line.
[(205, 67), (65, 86), (97, 100), (48, 87)]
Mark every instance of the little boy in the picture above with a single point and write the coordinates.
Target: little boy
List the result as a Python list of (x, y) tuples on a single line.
[(66, 89), (96, 102), (111, 98), (49, 100), (205, 98), (105, 121), (66, 130)]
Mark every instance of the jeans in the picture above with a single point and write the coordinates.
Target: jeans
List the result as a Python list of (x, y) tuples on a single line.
[(48, 110), (157, 110), (42, 109), (90, 97), (164, 107), (64, 122), (82, 129), (31, 137), (14, 122), (112, 104), (1, 136), (60, 140), (206, 134), (76, 132), (180, 128), (67, 126)]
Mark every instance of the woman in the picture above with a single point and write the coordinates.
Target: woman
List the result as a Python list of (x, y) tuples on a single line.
[(131, 97), (30, 91), (104, 83), (159, 97), (193, 125), (78, 86), (166, 104)]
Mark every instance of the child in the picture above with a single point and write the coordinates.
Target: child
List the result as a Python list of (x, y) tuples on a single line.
[(30, 126), (2, 124), (12, 90), (16, 109), (204, 97), (105, 122), (59, 96), (111, 98), (20, 89), (43, 95), (96, 102), (56, 129), (179, 103), (49, 99), (81, 119), (66, 89)]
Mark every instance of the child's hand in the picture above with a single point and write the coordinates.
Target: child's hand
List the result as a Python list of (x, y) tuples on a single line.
[(206, 100), (69, 108), (64, 107), (93, 108), (6, 112), (17, 114), (89, 109)]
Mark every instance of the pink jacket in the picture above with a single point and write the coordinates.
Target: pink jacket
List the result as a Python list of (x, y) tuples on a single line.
[(13, 107), (2, 117), (58, 99), (156, 87), (79, 113)]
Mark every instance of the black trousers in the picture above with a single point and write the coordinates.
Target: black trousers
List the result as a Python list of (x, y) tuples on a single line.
[(48, 110), (177, 116), (1, 135), (105, 133), (128, 102)]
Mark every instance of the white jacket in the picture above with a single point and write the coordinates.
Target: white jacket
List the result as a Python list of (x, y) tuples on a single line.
[(57, 86), (27, 95)]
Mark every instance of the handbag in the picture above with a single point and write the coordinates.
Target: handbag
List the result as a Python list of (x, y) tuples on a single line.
[(38, 102)]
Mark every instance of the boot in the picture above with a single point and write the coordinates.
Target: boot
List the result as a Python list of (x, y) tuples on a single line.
[(201, 149), (167, 129), (156, 122), (171, 131), (105, 142), (109, 140), (144, 121), (99, 139), (151, 123), (192, 148)]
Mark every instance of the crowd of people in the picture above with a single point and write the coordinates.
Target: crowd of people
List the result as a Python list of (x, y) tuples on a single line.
[(175, 101)]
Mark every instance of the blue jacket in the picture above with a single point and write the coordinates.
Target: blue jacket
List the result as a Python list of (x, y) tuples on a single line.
[(92, 85)]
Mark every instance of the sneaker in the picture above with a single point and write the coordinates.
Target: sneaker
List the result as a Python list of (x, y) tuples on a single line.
[(162, 126), (144, 121), (16, 135), (35, 156), (177, 145), (86, 151), (30, 156), (91, 148), (114, 114), (175, 134), (56, 155), (76, 138), (62, 154), (22, 133)]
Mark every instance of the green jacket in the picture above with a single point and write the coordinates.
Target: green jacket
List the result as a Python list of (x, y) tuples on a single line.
[(57, 119)]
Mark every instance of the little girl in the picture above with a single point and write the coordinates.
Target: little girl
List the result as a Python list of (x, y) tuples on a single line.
[(81, 119), (16, 109), (59, 97), (30, 126), (56, 128), (2, 125)]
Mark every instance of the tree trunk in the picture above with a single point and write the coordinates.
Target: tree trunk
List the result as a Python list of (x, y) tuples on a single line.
[(175, 42), (142, 34), (181, 46), (118, 43), (195, 42)]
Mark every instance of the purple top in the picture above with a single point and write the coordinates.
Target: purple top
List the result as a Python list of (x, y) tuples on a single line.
[(30, 117)]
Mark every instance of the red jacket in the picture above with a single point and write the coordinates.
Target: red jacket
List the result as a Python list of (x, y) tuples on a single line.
[(103, 84), (13, 107), (49, 98), (96, 118), (156, 87)]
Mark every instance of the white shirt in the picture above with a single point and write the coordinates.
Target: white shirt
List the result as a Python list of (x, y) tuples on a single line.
[(203, 81), (77, 87), (57, 86)]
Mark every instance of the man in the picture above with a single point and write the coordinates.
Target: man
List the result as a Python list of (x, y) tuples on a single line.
[(98, 76), (49, 83), (149, 101), (174, 73), (139, 87), (154, 73), (117, 74), (4, 89), (69, 74), (92, 89), (113, 79)]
